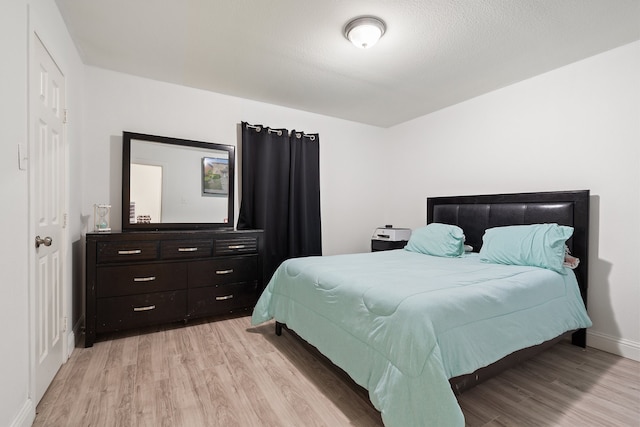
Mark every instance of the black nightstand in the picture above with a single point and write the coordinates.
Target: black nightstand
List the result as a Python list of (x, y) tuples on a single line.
[(386, 245)]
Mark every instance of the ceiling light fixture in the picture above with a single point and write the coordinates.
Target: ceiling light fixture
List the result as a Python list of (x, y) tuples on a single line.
[(365, 31)]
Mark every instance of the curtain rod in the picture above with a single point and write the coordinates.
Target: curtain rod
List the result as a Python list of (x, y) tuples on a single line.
[(310, 136), (279, 132)]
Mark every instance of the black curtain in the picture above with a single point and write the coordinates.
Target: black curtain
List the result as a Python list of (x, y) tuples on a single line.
[(281, 192)]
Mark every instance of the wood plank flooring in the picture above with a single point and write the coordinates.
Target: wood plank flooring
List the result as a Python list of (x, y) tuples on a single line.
[(227, 373)]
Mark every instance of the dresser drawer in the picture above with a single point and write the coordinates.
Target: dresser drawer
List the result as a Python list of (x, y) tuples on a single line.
[(140, 279), (221, 299), (236, 245), (133, 311), (223, 271), (127, 251), (181, 249)]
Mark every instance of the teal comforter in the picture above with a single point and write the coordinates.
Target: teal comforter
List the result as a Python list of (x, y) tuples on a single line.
[(402, 323)]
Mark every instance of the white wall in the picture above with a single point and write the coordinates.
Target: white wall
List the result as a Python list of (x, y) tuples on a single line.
[(350, 160), (574, 128), (17, 20)]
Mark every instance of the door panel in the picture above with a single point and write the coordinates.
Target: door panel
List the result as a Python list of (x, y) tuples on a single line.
[(46, 88)]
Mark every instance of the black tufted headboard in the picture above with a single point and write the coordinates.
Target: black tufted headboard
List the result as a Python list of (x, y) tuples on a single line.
[(474, 214)]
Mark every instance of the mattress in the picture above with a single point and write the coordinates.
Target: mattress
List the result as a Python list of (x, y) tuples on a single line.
[(402, 323)]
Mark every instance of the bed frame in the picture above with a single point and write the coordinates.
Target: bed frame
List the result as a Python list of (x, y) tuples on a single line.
[(475, 214)]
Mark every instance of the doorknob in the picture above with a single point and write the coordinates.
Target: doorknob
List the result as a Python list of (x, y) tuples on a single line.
[(46, 241)]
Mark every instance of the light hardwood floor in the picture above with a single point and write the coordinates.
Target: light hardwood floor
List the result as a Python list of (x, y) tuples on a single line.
[(227, 373)]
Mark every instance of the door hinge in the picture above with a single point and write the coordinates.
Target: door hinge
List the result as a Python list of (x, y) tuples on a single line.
[(65, 115), (64, 324), (65, 217)]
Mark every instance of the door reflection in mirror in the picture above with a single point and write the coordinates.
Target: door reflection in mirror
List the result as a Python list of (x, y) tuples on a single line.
[(146, 193)]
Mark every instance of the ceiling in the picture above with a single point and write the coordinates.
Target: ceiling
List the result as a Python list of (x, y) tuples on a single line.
[(293, 53)]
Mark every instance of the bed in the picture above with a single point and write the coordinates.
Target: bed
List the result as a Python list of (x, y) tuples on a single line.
[(415, 329)]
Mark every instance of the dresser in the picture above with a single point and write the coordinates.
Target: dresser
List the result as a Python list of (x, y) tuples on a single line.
[(143, 278)]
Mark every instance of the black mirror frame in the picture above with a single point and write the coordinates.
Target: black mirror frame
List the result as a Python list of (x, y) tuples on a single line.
[(126, 182)]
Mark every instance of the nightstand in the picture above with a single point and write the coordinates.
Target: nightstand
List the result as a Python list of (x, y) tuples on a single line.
[(387, 238), (386, 245)]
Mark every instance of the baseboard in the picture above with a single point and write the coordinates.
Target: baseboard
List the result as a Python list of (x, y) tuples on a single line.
[(26, 416), (71, 344), (615, 345), (74, 336)]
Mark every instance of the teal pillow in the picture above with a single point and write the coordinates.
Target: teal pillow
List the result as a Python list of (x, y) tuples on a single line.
[(537, 245), (437, 239)]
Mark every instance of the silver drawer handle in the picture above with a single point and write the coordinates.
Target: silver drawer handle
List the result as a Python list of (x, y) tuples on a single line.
[(236, 246), (225, 297), (147, 308), (224, 271), (144, 279), (131, 252), (187, 249)]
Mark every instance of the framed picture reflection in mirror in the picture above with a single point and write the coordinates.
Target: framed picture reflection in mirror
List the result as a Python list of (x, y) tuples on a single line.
[(215, 176)]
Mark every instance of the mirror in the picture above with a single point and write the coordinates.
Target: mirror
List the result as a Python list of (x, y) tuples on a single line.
[(171, 183)]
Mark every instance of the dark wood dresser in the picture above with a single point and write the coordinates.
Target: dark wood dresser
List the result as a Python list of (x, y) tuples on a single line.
[(143, 278)]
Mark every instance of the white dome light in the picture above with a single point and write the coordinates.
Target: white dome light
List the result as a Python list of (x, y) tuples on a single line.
[(364, 32)]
